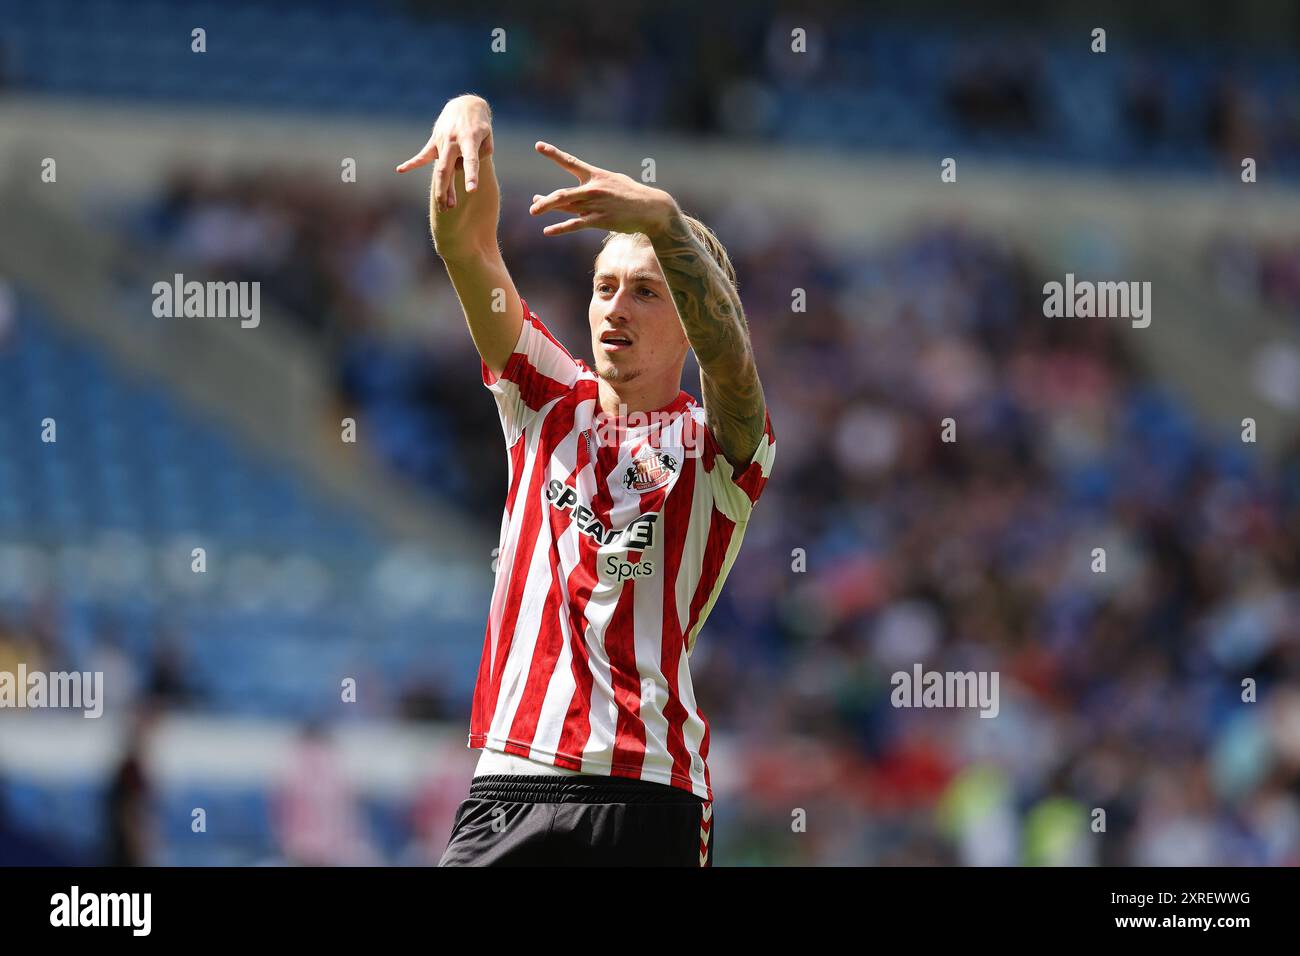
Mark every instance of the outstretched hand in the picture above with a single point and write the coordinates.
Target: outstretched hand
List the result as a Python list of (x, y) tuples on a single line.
[(461, 135), (602, 200)]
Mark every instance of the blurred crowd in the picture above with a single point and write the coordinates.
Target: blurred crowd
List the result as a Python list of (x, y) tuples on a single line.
[(1261, 272), (879, 544), (962, 81), (1048, 94), (960, 482)]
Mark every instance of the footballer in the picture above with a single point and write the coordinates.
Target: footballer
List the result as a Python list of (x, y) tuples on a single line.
[(625, 508)]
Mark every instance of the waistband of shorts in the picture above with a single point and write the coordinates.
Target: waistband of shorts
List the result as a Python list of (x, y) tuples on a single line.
[(584, 788)]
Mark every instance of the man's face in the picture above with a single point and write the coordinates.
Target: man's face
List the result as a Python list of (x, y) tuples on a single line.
[(635, 331)]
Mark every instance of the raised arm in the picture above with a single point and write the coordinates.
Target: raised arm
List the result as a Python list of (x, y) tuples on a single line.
[(464, 207), (711, 313), (707, 302)]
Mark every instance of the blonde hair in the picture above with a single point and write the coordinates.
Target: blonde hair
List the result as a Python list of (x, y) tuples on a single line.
[(705, 236)]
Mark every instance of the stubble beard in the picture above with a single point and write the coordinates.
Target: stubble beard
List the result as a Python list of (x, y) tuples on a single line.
[(614, 375)]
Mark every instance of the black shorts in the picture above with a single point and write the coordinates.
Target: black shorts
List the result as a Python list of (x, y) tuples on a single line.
[(581, 820)]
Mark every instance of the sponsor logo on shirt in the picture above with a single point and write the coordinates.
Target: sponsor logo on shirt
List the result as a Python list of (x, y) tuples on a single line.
[(638, 535)]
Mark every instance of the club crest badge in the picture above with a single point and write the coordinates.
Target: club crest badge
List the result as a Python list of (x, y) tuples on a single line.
[(650, 469)]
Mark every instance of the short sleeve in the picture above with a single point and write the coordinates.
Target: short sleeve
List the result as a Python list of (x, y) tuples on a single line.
[(735, 492), (538, 371)]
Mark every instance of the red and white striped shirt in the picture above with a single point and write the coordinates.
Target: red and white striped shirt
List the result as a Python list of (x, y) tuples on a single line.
[(617, 536)]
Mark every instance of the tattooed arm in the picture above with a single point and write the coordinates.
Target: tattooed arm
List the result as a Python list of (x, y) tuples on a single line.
[(714, 321), (707, 302)]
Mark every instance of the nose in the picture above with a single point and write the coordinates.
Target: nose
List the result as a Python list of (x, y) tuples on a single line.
[(618, 305)]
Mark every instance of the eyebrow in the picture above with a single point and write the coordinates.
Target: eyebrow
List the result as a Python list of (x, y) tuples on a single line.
[(636, 277)]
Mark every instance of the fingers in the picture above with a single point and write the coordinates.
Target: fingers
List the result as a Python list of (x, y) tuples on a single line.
[(444, 176), (560, 199), (469, 150), (572, 225), (425, 156), (577, 199), (570, 162)]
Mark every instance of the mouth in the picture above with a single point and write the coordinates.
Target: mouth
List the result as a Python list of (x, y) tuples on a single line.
[(615, 341)]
